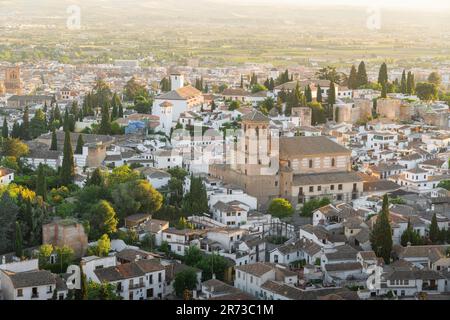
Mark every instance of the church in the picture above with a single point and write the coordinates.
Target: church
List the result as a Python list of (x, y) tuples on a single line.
[(169, 105), (295, 168)]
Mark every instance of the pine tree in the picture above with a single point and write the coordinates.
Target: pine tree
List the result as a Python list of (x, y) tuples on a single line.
[(319, 94), (403, 83), (362, 75), (5, 132), (19, 241), (41, 184), (353, 78), (383, 74), (68, 164), (381, 236), (54, 144), (434, 230), (80, 144), (25, 127)]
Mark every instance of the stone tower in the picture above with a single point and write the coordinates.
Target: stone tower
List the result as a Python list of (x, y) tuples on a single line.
[(12, 82)]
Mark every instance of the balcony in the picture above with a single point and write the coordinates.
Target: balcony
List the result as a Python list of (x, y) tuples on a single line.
[(136, 286)]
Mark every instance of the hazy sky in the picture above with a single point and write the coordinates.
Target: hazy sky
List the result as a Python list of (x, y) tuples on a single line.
[(407, 4)]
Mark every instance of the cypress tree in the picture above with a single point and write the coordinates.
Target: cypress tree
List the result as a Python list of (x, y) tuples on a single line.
[(5, 132), (434, 230), (15, 132), (383, 90), (319, 94), (41, 183), (54, 144), (331, 99), (19, 241), (68, 164), (80, 144), (105, 124), (381, 236), (96, 179), (66, 124), (25, 127), (353, 78), (114, 106), (362, 75), (84, 286), (120, 111), (383, 74), (57, 114), (308, 93), (403, 83)]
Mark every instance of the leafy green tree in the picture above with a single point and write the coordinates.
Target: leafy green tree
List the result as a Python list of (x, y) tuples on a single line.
[(427, 91), (45, 251), (136, 197), (381, 236), (185, 280), (54, 143), (233, 105), (280, 208), (102, 291), (435, 78), (68, 164), (12, 147), (103, 246), (97, 178), (143, 104), (410, 236), (310, 206), (80, 144), (445, 183), (103, 219), (5, 132), (196, 200), (213, 264), (329, 73), (38, 124), (192, 256), (258, 88)]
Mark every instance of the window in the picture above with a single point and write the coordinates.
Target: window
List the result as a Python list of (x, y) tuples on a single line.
[(332, 187), (310, 163), (340, 187), (19, 292), (159, 277), (333, 162), (319, 188), (311, 189)]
